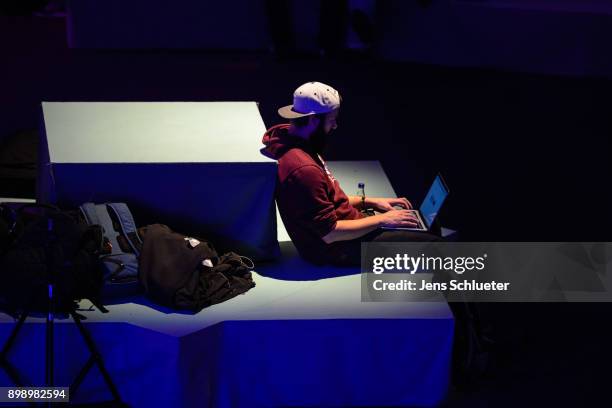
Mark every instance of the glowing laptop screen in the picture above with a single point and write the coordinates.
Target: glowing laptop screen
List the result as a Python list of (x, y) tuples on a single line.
[(433, 200)]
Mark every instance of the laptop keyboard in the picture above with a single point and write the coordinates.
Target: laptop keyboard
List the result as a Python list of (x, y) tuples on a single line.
[(418, 217)]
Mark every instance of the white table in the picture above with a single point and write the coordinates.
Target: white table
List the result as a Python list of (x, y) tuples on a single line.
[(195, 166)]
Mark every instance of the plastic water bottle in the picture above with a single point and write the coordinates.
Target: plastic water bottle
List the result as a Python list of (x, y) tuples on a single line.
[(361, 193)]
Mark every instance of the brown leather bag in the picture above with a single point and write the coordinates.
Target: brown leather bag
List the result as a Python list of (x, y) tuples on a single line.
[(187, 273)]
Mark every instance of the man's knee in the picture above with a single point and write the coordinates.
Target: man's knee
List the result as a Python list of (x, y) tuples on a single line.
[(406, 236)]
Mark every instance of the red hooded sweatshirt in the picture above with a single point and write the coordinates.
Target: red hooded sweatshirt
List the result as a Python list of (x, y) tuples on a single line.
[(309, 198)]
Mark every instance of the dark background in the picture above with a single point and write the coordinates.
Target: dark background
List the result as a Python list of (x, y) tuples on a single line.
[(525, 155)]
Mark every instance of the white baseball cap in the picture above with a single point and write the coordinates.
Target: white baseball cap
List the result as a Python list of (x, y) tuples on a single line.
[(310, 99)]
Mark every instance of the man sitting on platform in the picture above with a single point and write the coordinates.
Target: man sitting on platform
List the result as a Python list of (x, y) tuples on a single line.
[(326, 225)]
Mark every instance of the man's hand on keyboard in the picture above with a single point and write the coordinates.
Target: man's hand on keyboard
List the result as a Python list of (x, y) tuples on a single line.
[(399, 218), (387, 204)]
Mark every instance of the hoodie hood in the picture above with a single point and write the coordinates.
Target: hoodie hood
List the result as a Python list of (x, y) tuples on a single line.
[(278, 141)]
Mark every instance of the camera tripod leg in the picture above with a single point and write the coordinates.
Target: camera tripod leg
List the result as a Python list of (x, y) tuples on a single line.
[(50, 257), (95, 358), (4, 362), (49, 341)]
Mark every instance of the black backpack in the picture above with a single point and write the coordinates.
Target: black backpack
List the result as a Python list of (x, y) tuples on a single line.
[(187, 273), (41, 244)]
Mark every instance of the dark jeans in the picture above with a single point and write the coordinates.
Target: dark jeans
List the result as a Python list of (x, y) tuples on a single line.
[(348, 253)]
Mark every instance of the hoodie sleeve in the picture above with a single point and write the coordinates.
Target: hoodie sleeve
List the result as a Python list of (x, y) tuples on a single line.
[(311, 201)]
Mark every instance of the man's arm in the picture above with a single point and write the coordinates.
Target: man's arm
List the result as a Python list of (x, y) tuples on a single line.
[(379, 203), (355, 201), (309, 191), (350, 229)]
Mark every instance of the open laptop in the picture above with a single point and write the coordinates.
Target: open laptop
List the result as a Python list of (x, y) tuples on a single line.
[(428, 211)]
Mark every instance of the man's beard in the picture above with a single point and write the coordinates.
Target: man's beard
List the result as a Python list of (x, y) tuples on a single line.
[(318, 140)]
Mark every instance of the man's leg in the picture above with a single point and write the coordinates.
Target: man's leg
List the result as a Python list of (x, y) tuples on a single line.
[(348, 253), (401, 236)]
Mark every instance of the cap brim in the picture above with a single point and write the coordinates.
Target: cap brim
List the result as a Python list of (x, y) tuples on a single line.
[(287, 112)]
